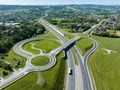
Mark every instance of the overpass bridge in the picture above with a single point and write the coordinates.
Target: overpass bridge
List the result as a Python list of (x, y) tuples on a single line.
[(65, 46), (70, 42)]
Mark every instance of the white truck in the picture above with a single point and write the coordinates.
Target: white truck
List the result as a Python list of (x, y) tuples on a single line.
[(70, 71)]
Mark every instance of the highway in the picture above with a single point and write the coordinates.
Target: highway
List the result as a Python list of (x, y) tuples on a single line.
[(75, 81), (88, 79), (94, 27), (86, 56), (79, 82), (70, 78), (82, 79), (95, 46), (29, 67)]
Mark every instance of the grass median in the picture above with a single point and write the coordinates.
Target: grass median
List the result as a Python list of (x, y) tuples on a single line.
[(84, 45)]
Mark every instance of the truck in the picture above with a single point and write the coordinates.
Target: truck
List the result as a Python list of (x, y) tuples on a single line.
[(70, 71)]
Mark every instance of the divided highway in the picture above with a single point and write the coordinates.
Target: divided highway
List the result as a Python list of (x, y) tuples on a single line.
[(81, 81), (70, 78)]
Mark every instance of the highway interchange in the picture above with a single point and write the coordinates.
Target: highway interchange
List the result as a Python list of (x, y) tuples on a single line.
[(29, 67), (79, 80)]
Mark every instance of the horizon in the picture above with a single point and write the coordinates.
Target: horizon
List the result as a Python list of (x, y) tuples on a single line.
[(57, 4), (60, 2)]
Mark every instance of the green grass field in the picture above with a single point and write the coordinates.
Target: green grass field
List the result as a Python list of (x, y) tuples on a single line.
[(106, 67), (48, 35), (12, 55), (109, 43), (40, 61), (47, 45), (9, 59), (84, 45), (54, 78), (27, 47), (69, 36)]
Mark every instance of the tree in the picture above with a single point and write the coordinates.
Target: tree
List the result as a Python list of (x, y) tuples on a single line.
[(5, 73), (39, 31)]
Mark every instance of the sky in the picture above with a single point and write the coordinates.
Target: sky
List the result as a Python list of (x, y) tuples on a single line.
[(59, 2)]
